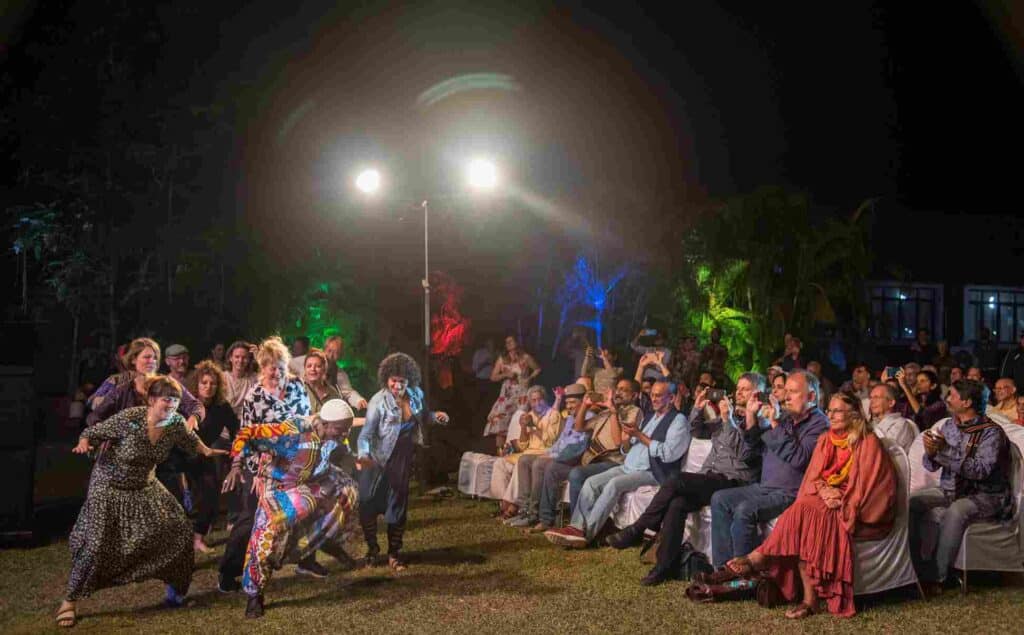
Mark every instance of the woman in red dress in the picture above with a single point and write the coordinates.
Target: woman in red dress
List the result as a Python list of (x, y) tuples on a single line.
[(848, 494)]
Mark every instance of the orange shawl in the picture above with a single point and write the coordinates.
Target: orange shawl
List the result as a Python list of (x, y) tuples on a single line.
[(869, 497)]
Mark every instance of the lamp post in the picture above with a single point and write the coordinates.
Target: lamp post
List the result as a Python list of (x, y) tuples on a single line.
[(481, 174)]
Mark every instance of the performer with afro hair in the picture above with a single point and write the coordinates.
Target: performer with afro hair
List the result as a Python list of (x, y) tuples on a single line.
[(394, 424)]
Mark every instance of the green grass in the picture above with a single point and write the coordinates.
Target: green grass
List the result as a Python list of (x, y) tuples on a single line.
[(468, 574)]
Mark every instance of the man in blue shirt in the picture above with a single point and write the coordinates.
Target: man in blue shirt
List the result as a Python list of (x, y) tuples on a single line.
[(786, 445), (654, 452)]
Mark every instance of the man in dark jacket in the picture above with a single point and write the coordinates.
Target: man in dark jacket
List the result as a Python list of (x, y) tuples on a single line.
[(787, 443), (731, 463)]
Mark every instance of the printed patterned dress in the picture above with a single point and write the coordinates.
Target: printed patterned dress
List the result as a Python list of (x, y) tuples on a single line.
[(130, 527), (307, 504), (513, 391)]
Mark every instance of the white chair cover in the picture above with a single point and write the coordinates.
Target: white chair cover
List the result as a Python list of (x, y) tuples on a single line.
[(475, 474), (880, 565), (920, 478), (632, 504), (997, 546)]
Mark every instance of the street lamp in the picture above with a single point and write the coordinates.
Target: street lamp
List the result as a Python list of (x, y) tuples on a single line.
[(368, 181), (481, 175)]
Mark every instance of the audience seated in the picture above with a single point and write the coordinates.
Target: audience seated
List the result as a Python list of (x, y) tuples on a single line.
[(786, 446), (924, 397), (531, 432), (731, 463), (1005, 399), (604, 430), (859, 385), (847, 493), (543, 475), (654, 452), (886, 422), (973, 455)]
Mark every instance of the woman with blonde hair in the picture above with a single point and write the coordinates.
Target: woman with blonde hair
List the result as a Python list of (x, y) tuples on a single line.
[(319, 390), (130, 528), (278, 396), (848, 493)]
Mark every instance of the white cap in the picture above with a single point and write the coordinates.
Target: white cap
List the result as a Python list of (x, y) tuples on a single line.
[(336, 410)]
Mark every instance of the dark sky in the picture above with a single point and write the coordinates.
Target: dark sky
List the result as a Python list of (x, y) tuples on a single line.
[(626, 119)]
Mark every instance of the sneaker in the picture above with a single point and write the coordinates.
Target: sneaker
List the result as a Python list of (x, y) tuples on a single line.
[(312, 568), (254, 607), (227, 585), (522, 521), (628, 537), (567, 536)]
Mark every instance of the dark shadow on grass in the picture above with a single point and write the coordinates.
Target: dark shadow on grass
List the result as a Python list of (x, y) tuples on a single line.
[(405, 587)]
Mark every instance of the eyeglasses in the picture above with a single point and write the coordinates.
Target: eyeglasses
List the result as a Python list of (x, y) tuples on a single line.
[(837, 411)]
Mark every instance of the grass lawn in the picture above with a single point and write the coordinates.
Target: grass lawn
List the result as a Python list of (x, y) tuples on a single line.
[(468, 574)]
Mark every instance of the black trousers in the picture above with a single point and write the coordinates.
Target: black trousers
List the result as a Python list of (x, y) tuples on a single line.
[(681, 495), (202, 480), (385, 490), (247, 501)]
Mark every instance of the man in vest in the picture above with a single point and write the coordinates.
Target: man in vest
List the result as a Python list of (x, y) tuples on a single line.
[(654, 452)]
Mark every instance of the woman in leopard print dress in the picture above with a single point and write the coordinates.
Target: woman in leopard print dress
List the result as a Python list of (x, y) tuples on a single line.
[(130, 527)]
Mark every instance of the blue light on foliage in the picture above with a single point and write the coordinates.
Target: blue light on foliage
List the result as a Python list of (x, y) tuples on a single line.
[(585, 287)]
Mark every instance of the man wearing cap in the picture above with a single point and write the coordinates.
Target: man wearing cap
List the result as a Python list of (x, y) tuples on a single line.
[(549, 470), (176, 357), (654, 453), (308, 502)]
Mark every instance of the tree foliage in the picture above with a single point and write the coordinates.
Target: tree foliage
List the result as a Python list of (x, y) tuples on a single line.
[(761, 265)]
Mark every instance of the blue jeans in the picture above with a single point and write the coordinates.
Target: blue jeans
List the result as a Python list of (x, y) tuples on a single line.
[(580, 474), (600, 495), (551, 491), (735, 515)]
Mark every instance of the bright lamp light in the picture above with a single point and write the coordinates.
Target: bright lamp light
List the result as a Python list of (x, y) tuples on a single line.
[(482, 174), (368, 181)]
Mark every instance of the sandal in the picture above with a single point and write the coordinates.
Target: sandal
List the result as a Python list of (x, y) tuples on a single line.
[(720, 576), (67, 617), (802, 611), (396, 565), (741, 566)]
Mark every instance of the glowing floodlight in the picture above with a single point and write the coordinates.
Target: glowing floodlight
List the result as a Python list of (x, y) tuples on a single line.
[(482, 174), (368, 181)]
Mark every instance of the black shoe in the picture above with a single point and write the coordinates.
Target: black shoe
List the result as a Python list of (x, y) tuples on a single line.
[(628, 537), (338, 552), (227, 585), (371, 559), (655, 577), (254, 607), (312, 568)]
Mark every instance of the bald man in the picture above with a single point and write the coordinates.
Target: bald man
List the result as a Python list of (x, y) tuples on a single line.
[(1006, 399)]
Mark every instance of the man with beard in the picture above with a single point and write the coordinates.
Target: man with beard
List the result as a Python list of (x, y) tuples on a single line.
[(731, 463)]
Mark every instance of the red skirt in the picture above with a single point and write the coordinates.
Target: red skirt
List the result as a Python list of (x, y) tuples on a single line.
[(811, 533)]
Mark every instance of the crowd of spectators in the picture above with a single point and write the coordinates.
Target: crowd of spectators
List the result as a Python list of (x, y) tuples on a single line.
[(787, 447)]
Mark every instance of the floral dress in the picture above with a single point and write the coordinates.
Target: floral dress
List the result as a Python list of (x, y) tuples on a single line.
[(513, 391), (130, 528)]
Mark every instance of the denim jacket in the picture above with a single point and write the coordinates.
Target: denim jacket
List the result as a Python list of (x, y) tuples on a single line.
[(384, 421)]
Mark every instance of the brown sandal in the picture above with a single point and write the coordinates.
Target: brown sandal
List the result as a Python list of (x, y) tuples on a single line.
[(802, 611), (741, 566), (396, 565), (67, 618)]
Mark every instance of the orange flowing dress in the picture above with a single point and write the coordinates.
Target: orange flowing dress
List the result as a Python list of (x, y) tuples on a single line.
[(822, 538)]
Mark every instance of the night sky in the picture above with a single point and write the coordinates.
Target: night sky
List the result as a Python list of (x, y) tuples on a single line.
[(626, 120)]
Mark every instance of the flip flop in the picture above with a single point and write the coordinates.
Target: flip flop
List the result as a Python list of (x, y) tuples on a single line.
[(396, 565)]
